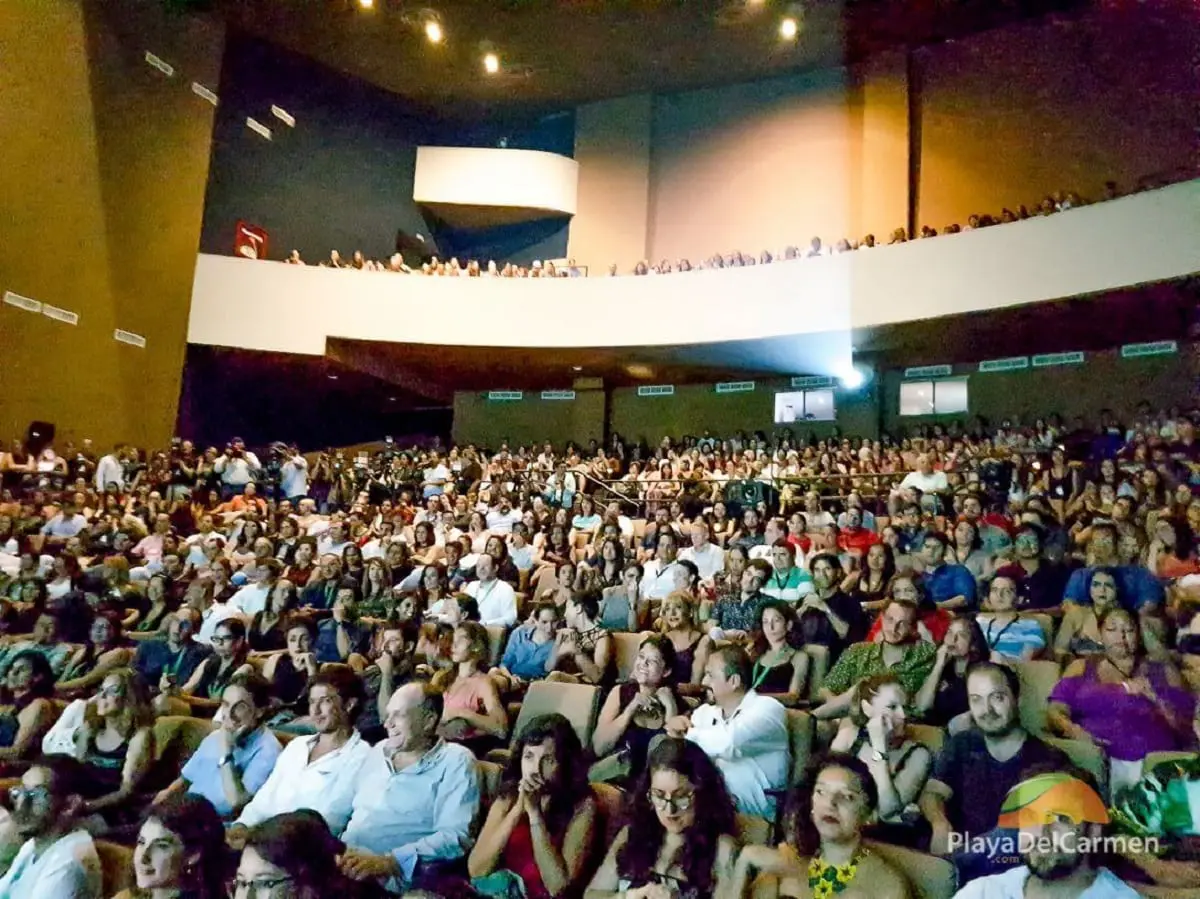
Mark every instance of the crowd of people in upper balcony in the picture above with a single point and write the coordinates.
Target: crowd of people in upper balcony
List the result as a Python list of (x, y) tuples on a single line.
[(971, 632), (1060, 201)]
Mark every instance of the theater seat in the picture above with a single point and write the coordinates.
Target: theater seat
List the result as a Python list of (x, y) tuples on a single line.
[(176, 737), (930, 877), (610, 803), (496, 639), (817, 667), (1087, 756), (753, 830), (116, 867), (927, 735), (578, 703), (1037, 682), (800, 742), (625, 650)]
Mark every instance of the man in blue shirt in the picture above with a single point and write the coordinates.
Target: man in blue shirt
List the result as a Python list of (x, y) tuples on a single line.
[(175, 658), (950, 586), (1140, 591), (417, 796), (235, 760), (528, 650)]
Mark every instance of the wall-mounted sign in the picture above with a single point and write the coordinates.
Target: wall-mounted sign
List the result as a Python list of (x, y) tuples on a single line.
[(1158, 348), (1012, 363), (1045, 360), (656, 390), (15, 299), (558, 394), (735, 387), (504, 396), (60, 315), (130, 338), (812, 382), (928, 371)]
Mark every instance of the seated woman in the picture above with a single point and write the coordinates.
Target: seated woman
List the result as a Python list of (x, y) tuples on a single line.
[(290, 671), (869, 583), (235, 760), (583, 651), (27, 709), (562, 587), (1129, 704), (780, 669), (788, 581), (636, 712), (267, 629), (111, 733), (303, 566), (104, 651), (433, 593), (159, 604), (473, 714), (677, 839), (527, 653), (1010, 638), (1079, 633), (506, 569), (180, 851), (932, 622), (294, 851), (202, 692), (621, 605), (874, 733), (540, 828), (824, 852), (677, 622), (432, 651), (942, 699), (377, 597), (609, 564)]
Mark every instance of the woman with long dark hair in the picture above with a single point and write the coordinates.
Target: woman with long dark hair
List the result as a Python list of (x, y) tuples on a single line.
[(292, 855), (869, 583), (540, 826), (27, 710), (180, 851), (678, 830), (943, 696), (472, 711)]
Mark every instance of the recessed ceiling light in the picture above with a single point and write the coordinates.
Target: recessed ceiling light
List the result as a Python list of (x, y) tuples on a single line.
[(576, 368), (332, 377), (491, 63), (433, 31), (789, 28), (366, 4)]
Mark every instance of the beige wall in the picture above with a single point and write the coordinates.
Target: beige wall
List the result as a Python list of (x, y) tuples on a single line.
[(612, 147), (103, 187), (530, 420), (771, 163), (1012, 115)]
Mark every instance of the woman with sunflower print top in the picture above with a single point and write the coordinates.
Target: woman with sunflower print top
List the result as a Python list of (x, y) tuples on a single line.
[(825, 855)]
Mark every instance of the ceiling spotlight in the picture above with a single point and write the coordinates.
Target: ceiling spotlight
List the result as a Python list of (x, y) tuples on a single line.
[(367, 4), (433, 31), (576, 368), (852, 379), (332, 377), (789, 28), (491, 63)]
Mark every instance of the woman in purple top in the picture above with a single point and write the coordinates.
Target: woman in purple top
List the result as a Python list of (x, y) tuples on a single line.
[(1122, 700)]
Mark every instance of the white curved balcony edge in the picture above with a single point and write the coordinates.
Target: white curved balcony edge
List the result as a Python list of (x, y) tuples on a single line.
[(484, 176), (272, 306)]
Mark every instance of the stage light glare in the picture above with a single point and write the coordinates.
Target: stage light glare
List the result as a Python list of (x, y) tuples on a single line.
[(367, 4), (433, 31), (789, 28), (491, 63), (852, 379)]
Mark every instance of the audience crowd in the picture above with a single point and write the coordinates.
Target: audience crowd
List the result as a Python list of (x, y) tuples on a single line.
[(711, 667), (1060, 201)]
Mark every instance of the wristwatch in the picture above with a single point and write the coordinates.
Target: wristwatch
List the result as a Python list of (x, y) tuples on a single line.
[(877, 756), (226, 759)]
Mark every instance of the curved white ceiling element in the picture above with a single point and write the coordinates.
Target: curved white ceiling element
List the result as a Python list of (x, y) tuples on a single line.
[(495, 185)]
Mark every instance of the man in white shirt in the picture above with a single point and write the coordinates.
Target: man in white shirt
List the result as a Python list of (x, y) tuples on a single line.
[(1056, 856), (110, 471), (319, 772), (65, 525), (237, 467), (774, 530), (924, 478), (293, 476), (434, 478), (501, 519), (56, 861), (253, 598), (333, 541), (745, 734), (613, 512), (496, 599), (659, 578), (703, 553)]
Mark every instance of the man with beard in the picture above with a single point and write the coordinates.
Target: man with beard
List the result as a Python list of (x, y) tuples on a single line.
[(1056, 861), (57, 859), (828, 616), (317, 772), (417, 796), (976, 768)]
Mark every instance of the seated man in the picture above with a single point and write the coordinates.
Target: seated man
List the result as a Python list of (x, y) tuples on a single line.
[(45, 640), (318, 772), (496, 598), (736, 618), (252, 598), (976, 768), (527, 655), (1056, 856), (58, 859), (744, 733), (417, 796), (658, 578), (168, 662), (235, 760), (345, 634), (949, 586), (901, 652), (321, 591)]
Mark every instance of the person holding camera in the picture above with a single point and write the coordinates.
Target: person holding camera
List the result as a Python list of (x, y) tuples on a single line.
[(236, 467)]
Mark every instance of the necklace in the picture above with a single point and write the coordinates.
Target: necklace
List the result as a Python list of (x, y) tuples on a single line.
[(827, 880)]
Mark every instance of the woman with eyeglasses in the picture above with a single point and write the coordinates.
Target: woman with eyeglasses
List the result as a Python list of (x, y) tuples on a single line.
[(540, 828), (824, 852), (180, 852), (292, 856), (678, 839), (105, 650)]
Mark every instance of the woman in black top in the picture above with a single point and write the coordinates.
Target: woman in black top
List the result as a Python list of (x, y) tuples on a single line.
[(943, 695), (268, 628)]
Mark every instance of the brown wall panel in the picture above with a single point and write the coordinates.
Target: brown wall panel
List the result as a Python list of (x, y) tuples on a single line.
[(528, 421)]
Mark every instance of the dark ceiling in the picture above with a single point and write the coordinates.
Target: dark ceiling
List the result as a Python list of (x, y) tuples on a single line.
[(559, 53)]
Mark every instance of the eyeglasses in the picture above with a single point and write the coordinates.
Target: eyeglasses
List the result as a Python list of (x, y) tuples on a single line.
[(35, 795), (680, 803), (251, 889)]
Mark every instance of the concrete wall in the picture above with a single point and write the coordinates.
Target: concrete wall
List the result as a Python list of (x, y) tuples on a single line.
[(103, 189)]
